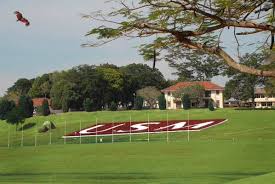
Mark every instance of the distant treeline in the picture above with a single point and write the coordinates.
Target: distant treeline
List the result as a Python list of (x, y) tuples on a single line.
[(100, 86)]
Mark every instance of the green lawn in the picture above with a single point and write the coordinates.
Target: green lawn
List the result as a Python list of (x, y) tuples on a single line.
[(237, 152)]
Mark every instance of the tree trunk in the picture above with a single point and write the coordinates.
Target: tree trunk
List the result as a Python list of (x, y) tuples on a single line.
[(155, 59)]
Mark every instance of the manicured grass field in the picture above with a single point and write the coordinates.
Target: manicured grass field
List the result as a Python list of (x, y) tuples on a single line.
[(237, 152)]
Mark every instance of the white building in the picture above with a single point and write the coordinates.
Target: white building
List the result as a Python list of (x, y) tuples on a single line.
[(262, 100), (212, 91)]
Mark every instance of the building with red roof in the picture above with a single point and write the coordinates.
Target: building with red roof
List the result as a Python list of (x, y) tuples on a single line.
[(213, 92), (37, 102)]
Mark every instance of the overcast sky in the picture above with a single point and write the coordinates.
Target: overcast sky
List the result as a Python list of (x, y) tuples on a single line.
[(52, 41)]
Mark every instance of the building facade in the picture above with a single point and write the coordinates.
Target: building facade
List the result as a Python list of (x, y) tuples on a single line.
[(262, 100), (213, 92)]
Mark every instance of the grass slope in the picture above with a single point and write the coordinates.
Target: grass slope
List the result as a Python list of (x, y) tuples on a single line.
[(241, 149)]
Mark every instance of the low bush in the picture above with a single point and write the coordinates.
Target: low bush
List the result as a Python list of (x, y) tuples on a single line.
[(250, 108)]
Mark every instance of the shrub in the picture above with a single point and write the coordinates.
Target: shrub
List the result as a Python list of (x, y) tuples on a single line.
[(25, 105), (138, 105), (5, 107), (88, 105), (45, 110), (250, 108), (15, 116), (186, 102), (211, 105), (162, 102), (65, 105), (47, 125), (113, 106)]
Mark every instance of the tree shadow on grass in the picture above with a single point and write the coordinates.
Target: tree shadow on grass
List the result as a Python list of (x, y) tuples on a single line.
[(26, 126)]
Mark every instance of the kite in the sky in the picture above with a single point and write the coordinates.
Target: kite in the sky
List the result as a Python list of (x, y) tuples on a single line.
[(21, 18)]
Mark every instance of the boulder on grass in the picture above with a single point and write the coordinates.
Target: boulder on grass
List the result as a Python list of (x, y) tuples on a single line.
[(47, 125)]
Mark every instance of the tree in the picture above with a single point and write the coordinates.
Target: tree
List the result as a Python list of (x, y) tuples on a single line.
[(141, 75), (242, 86), (113, 106), (138, 76), (41, 87), (25, 106), (195, 66), (20, 87), (15, 116), (211, 105), (233, 90), (45, 110), (88, 105), (186, 102), (150, 94), (195, 92), (162, 102), (5, 107), (113, 78), (192, 26), (138, 103)]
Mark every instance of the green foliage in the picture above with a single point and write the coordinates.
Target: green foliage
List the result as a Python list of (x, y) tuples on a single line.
[(150, 94), (113, 106), (45, 110), (194, 66), (65, 105), (41, 87), (102, 84), (162, 102), (15, 116), (182, 29), (242, 86), (21, 87), (186, 102), (195, 92), (5, 107), (88, 105), (138, 103), (25, 105), (211, 105)]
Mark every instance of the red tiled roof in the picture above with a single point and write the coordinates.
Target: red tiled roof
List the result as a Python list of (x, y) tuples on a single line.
[(207, 85), (39, 101)]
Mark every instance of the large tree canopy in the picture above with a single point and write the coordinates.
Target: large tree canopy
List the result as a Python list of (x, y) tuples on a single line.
[(193, 25)]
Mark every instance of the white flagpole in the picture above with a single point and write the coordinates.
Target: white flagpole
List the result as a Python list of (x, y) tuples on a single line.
[(96, 131), (79, 132), (167, 124), (148, 128), (22, 135), (113, 131), (50, 133), (130, 128), (9, 137), (188, 126), (65, 132), (35, 136)]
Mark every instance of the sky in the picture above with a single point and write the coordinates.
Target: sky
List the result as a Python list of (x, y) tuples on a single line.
[(52, 41)]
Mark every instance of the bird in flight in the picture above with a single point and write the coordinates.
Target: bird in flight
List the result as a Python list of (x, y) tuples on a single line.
[(20, 18)]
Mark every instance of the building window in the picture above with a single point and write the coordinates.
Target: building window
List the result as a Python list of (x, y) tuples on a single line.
[(217, 92), (169, 93), (169, 104), (269, 104), (207, 93)]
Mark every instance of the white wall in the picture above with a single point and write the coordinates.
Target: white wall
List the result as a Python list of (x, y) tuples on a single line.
[(217, 97)]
